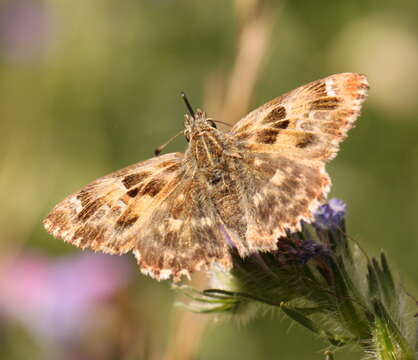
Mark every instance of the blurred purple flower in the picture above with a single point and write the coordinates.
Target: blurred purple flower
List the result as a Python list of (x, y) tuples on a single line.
[(54, 298), (23, 29), (331, 214)]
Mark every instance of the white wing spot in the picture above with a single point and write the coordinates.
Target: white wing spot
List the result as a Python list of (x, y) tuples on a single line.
[(206, 221), (76, 204), (277, 179), (329, 83), (174, 224), (257, 198)]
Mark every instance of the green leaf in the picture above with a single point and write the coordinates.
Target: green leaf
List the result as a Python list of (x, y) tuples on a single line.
[(312, 326), (388, 339)]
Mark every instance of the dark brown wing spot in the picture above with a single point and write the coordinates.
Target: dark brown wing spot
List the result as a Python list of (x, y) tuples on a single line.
[(177, 209), (198, 255), (170, 239), (243, 136), (244, 127), (169, 165), (331, 127), (278, 113), (328, 103), (173, 167), (153, 187), (267, 136), (89, 209), (319, 88), (132, 193), (281, 124), (126, 221), (165, 163), (306, 140), (57, 218), (266, 168), (133, 179), (88, 234), (85, 195), (289, 186)]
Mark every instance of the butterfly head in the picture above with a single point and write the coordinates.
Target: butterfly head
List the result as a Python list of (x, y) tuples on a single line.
[(197, 125)]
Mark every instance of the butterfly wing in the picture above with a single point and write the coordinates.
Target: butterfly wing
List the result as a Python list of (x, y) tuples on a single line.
[(175, 223), (259, 196), (184, 234), (308, 122), (278, 192), (106, 214), (155, 208), (287, 142)]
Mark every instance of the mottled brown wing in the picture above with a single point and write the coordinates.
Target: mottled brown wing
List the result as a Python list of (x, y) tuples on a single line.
[(107, 214), (261, 196), (182, 235), (278, 192), (308, 122), (155, 208), (289, 140)]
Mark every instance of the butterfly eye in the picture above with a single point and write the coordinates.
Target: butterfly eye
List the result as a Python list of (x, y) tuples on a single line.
[(212, 123), (187, 135)]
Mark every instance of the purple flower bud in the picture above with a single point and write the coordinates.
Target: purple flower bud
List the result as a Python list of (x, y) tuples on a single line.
[(310, 249), (331, 214), (295, 250)]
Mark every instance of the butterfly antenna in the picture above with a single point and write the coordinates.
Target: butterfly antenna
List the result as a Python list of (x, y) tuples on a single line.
[(161, 147), (186, 101), (221, 122), (158, 150)]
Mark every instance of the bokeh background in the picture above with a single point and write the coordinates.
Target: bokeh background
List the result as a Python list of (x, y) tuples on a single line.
[(87, 87)]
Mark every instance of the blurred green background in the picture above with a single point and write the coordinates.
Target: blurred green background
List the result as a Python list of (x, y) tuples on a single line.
[(88, 87)]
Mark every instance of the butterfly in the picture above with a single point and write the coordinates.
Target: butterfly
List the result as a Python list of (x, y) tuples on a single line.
[(241, 190)]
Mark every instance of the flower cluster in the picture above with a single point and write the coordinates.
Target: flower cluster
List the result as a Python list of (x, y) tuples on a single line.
[(317, 276)]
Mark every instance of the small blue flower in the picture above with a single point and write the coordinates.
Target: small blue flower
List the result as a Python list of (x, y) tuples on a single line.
[(331, 214)]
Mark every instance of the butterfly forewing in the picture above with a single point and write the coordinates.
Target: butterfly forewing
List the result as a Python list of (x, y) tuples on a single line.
[(106, 214), (308, 122)]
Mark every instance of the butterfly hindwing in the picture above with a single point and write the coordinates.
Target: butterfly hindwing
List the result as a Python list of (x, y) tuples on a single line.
[(261, 196), (182, 235), (280, 193)]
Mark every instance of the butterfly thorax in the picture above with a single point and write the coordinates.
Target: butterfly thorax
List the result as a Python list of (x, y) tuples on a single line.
[(209, 149), (216, 160)]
